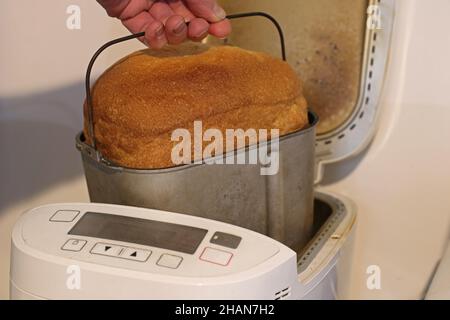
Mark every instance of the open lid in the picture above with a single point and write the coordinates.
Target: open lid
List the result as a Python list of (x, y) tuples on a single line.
[(351, 136), (340, 49)]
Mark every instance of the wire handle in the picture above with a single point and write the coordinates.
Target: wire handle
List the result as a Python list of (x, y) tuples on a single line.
[(96, 154)]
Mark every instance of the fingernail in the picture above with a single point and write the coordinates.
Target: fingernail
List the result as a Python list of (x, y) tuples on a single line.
[(179, 28), (160, 31), (219, 12), (201, 36)]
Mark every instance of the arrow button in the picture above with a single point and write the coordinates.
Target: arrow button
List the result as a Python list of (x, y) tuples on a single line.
[(106, 249), (136, 254)]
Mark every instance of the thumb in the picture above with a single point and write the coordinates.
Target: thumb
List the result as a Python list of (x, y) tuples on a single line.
[(206, 9)]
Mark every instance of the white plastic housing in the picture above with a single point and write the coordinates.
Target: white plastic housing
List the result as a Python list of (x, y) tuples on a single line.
[(260, 267)]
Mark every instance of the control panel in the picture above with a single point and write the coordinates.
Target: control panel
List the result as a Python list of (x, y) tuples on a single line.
[(145, 240)]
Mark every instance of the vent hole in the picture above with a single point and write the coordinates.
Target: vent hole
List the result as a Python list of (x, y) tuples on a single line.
[(283, 294)]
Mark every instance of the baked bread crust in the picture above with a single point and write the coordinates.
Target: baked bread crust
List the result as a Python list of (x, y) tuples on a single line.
[(143, 98)]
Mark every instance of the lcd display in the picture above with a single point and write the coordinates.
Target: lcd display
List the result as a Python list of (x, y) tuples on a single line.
[(140, 231)]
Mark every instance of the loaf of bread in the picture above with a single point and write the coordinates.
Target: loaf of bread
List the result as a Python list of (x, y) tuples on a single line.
[(143, 98)]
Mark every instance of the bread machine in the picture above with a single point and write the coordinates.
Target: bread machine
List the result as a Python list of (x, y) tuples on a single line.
[(98, 251), (306, 264)]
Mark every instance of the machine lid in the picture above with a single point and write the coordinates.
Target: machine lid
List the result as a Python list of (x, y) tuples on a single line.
[(353, 135), (339, 48)]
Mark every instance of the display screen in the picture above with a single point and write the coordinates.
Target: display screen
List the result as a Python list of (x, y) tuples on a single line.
[(140, 231)]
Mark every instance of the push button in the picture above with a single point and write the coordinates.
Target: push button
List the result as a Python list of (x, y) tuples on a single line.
[(64, 216), (105, 249), (226, 240), (219, 257), (135, 254), (74, 245), (169, 261)]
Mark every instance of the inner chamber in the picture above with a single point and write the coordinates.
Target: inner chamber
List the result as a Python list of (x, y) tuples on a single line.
[(324, 42)]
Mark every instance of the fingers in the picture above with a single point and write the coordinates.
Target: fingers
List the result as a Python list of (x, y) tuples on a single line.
[(211, 12), (155, 35), (165, 21), (176, 29), (134, 15), (180, 9), (174, 24), (220, 29), (138, 23), (198, 29), (206, 9), (161, 11)]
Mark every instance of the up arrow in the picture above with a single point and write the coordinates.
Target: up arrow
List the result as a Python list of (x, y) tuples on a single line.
[(134, 254)]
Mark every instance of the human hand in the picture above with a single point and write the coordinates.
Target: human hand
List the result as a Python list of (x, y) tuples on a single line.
[(164, 21)]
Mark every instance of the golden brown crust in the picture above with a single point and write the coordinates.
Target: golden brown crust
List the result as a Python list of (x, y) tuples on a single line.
[(140, 100)]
